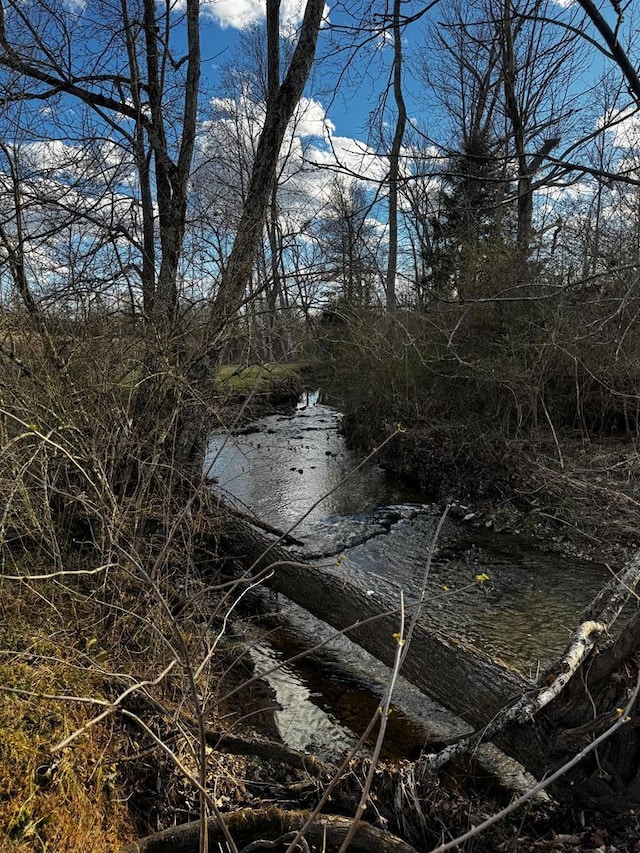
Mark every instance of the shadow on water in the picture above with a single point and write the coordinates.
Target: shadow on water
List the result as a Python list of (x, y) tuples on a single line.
[(283, 465), (323, 707)]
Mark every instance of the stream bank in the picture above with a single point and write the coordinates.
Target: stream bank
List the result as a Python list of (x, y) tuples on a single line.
[(565, 494)]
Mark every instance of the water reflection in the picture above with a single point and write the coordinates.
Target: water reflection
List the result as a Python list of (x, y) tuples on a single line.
[(302, 723), (294, 461), (289, 463), (308, 399)]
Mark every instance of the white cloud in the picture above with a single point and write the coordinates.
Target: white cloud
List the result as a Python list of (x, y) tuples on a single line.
[(311, 156), (103, 164), (579, 190), (239, 14), (353, 155), (48, 154), (312, 120), (310, 146), (623, 127), (76, 7)]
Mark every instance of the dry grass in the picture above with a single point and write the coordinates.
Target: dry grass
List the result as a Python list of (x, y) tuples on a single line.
[(100, 509), (70, 801)]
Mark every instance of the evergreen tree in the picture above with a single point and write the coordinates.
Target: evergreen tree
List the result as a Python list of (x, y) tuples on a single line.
[(468, 232)]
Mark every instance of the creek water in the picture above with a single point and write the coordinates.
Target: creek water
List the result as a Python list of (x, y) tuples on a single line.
[(294, 471)]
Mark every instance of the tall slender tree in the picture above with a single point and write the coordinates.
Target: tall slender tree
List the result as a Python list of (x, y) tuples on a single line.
[(283, 95), (394, 155)]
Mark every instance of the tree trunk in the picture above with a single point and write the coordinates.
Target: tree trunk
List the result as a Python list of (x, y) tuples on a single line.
[(327, 832), (281, 103), (475, 687), (394, 158)]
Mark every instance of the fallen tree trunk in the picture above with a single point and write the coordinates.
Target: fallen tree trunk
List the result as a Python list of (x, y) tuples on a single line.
[(441, 666), (543, 727)]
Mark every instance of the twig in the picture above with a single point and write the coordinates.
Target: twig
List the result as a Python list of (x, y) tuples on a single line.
[(62, 573), (113, 706), (527, 706), (383, 710), (425, 578), (545, 783)]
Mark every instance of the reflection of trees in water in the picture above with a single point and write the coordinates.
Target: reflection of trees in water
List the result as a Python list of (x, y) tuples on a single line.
[(282, 470)]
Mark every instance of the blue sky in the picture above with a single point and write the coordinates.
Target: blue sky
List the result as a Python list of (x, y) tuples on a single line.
[(221, 25), (348, 106), (345, 114), (53, 155)]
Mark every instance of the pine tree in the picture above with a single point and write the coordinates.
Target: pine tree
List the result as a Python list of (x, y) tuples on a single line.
[(468, 232)]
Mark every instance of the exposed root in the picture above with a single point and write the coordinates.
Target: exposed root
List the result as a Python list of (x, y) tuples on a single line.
[(247, 826)]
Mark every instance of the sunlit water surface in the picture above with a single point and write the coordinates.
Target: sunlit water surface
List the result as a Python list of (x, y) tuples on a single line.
[(294, 471)]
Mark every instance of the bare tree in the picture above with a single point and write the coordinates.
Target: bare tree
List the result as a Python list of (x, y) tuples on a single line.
[(394, 156), (534, 110), (348, 240), (282, 99), (503, 76), (223, 173), (127, 90)]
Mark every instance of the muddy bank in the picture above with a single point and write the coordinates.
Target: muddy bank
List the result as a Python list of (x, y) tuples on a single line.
[(575, 496)]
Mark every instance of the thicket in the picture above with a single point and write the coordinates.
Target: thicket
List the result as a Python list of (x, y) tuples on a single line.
[(475, 381), (115, 593), (113, 597)]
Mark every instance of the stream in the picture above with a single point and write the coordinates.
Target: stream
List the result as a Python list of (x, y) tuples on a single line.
[(295, 472)]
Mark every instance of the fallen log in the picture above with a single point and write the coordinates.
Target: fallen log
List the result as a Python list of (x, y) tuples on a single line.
[(536, 725), (442, 666)]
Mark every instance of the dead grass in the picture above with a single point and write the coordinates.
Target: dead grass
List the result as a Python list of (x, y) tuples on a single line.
[(66, 802)]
